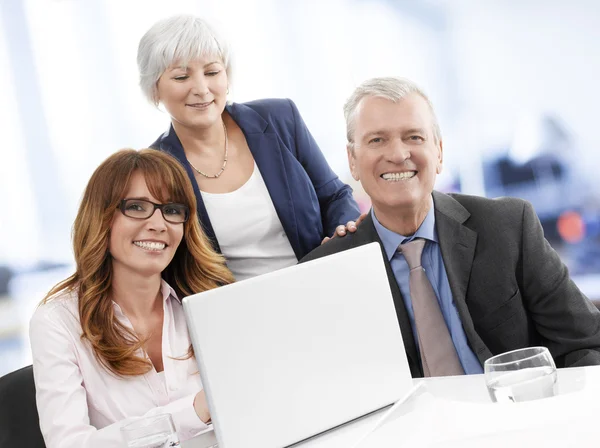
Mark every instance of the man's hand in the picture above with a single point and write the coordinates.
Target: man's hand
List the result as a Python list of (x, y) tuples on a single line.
[(341, 230), (201, 407)]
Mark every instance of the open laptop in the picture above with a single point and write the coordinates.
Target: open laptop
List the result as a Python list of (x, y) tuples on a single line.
[(293, 353)]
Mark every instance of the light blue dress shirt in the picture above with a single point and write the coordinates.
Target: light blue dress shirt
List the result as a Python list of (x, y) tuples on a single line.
[(432, 262)]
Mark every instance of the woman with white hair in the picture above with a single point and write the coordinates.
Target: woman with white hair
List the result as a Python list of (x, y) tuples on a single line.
[(266, 196)]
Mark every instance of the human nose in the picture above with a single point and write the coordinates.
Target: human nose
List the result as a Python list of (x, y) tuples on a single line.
[(200, 85), (157, 221), (399, 152)]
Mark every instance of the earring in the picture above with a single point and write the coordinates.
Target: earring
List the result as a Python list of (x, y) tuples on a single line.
[(227, 90)]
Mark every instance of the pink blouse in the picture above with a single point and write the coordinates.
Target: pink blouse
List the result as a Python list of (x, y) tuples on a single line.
[(82, 404)]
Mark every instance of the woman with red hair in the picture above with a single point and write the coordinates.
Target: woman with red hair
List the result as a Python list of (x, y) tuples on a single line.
[(110, 342)]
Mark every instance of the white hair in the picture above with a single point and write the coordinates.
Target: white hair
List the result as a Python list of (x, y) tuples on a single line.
[(179, 39), (391, 88)]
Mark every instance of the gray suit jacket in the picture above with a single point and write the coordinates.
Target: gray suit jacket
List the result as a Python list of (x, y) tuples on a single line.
[(510, 287)]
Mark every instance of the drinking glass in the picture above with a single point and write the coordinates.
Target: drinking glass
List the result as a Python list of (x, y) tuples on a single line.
[(521, 375), (157, 431)]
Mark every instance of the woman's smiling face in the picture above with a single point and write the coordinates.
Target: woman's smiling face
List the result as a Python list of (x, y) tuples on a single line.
[(194, 94), (142, 246)]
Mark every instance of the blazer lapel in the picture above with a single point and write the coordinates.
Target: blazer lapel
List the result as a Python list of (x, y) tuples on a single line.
[(268, 151), (365, 234), (457, 244)]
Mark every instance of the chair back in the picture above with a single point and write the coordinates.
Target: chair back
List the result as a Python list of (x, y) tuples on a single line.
[(19, 421)]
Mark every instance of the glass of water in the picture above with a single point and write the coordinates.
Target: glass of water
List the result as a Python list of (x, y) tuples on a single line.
[(521, 375), (157, 431)]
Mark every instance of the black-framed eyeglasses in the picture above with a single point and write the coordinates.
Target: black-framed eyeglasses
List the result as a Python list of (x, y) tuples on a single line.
[(142, 209)]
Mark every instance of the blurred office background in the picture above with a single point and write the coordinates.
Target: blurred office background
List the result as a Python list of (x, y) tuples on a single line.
[(514, 83)]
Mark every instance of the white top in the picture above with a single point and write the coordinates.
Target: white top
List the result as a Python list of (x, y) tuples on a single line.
[(81, 404), (248, 229)]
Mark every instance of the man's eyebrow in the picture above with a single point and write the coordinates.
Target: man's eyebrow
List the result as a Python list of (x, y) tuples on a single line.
[(414, 131), (376, 132)]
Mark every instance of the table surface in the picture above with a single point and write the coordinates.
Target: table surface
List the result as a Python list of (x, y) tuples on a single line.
[(465, 389)]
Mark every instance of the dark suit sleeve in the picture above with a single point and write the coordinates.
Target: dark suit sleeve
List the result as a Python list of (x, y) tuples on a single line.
[(335, 197), (563, 316)]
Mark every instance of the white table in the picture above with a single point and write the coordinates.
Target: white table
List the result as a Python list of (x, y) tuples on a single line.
[(465, 389)]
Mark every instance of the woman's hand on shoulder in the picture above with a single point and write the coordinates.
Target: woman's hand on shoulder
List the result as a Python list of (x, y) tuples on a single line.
[(341, 230), (201, 407)]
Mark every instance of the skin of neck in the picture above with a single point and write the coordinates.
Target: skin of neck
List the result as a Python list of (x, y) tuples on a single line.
[(137, 295), (404, 221), (210, 140)]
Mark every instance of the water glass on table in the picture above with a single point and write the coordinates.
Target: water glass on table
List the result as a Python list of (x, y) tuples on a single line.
[(157, 431), (521, 375)]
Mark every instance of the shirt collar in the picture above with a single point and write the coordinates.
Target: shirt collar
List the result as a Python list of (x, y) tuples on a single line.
[(391, 240), (167, 291)]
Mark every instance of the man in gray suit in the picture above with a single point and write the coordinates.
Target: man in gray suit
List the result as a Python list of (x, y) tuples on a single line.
[(471, 277)]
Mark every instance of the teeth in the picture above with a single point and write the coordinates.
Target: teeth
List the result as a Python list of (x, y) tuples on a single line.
[(398, 176), (150, 245)]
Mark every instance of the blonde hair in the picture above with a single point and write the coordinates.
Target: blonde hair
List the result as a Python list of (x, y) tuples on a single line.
[(195, 267)]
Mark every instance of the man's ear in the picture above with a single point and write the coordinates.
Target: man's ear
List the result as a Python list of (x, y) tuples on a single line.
[(440, 161), (352, 162)]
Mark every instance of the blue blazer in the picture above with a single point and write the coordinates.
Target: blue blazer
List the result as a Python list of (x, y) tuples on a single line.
[(309, 199)]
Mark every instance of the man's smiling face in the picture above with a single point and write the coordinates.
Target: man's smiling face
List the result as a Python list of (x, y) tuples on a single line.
[(395, 154)]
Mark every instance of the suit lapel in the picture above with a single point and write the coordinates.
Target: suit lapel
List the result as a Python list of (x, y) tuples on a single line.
[(457, 244), (365, 234), (268, 150)]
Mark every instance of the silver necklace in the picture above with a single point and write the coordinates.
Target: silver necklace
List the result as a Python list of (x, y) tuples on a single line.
[(224, 160)]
